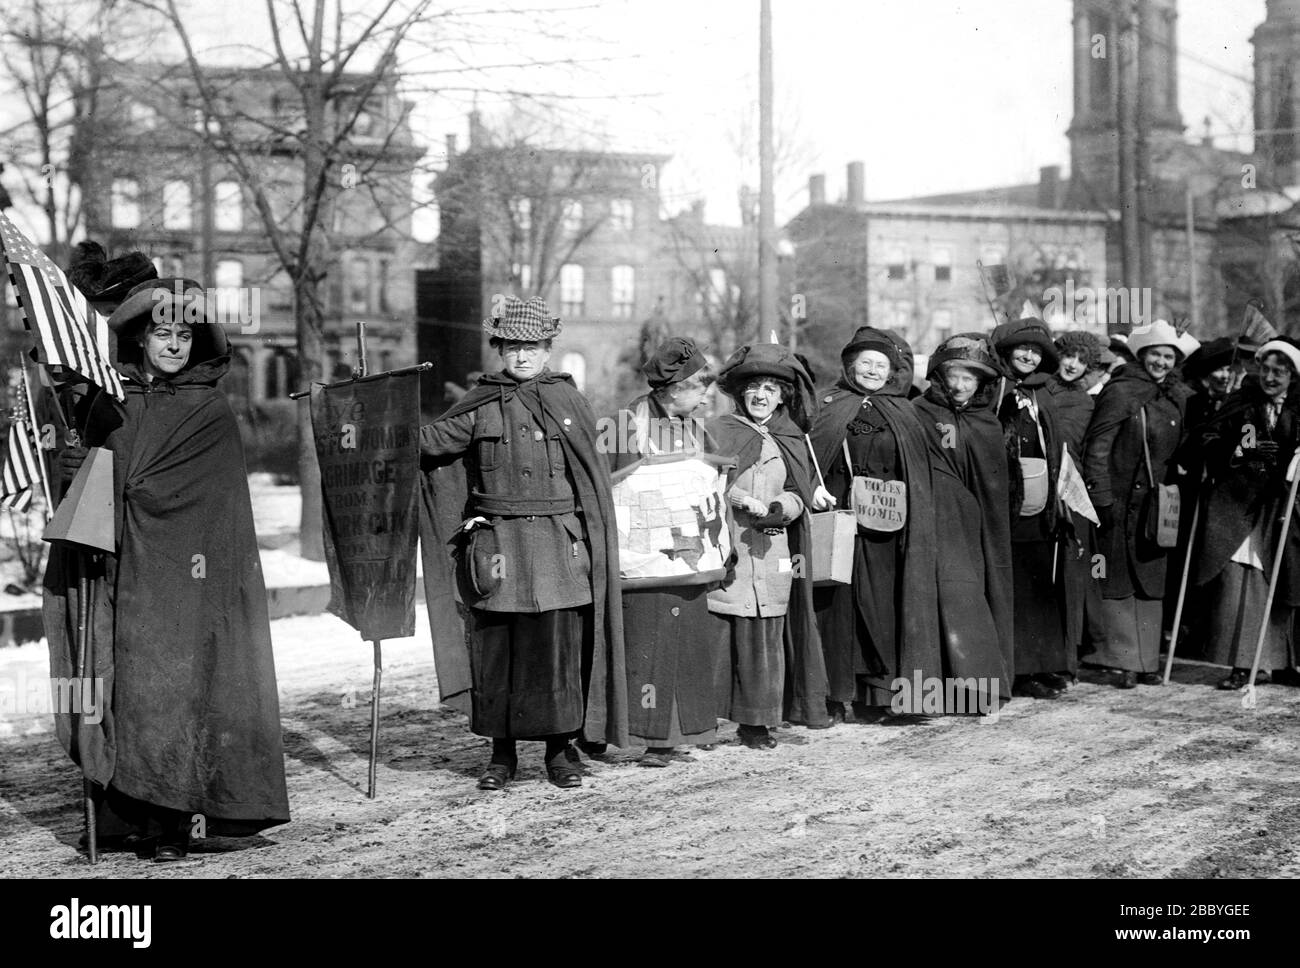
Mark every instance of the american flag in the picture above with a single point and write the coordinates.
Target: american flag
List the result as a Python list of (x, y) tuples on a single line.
[(68, 331), (20, 475)]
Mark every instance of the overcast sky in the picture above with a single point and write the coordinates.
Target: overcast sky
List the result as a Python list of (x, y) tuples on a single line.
[(933, 95)]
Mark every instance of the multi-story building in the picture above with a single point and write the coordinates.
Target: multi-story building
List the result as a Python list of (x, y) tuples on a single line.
[(169, 193)]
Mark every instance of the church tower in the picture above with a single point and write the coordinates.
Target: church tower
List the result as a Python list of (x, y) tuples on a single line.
[(1094, 131), (1277, 95)]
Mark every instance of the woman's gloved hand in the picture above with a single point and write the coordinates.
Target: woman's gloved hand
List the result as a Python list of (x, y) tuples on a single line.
[(70, 460), (823, 500)]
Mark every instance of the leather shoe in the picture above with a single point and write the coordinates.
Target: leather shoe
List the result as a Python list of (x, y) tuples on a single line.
[(1126, 679), (1286, 677), (656, 757), (1240, 677), (496, 776), (756, 737), (1055, 681), (166, 853), (1150, 679), (1033, 689), (592, 749), (562, 773)]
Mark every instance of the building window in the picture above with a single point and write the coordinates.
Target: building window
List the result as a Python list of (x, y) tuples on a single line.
[(571, 290), (942, 265), (521, 210), (523, 272), (896, 259), (169, 267), (230, 282), (717, 295), (622, 214), (575, 364), (281, 292), (228, 207), (281, 374), (177, 212), (358, 285), (572, 216), (385, 304), (124, 204), (940, 326), (624, 291)]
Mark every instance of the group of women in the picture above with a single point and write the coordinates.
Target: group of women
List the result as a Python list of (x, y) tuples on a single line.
[(1041, 495)]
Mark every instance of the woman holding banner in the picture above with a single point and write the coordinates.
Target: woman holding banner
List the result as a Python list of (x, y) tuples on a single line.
[(1247, 446), (884, 624), (526, 497), (1128, 456), (181, 636)]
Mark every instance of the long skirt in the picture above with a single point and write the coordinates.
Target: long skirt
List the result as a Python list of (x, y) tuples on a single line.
[(673, 656), (1235, 604), (1132, 640), (527, 672), (758, 669), (1040, 610)]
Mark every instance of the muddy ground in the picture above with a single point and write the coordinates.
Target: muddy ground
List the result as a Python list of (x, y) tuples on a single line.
[(1153, 782)]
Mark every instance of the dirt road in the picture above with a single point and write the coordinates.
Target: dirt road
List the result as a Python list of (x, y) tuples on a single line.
[(1178, 781)]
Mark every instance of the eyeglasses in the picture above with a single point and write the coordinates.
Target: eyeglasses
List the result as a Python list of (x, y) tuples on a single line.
[(523, 350)]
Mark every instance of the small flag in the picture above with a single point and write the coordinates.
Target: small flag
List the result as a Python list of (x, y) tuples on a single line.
[(1256, 329), (20, 472), (68, 331), (1072, 490), (999, 278)]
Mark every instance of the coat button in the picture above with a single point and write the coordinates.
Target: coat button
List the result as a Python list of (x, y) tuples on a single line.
[(527, 472), (538, 435), (567, 421), (676, 611)]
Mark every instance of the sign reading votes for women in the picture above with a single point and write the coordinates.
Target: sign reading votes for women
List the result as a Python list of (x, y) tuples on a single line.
[(367, 443)]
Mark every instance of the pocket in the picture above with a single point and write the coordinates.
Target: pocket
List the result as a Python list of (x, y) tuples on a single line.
[(489, 429), (1033, 470), (482, 562), (578, 558)]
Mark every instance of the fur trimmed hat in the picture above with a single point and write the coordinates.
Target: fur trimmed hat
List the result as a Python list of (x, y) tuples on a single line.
[(967, 349), (165, 300)]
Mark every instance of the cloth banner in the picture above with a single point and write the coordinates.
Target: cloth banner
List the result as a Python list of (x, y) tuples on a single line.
[(367, 443), (1072, 489)]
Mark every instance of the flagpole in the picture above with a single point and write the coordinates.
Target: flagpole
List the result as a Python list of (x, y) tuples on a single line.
[(40, 459)]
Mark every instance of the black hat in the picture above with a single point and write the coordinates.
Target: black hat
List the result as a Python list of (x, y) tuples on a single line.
[(121, 275), (770, 359), (867, 338), (1029, 330), (173, 298), (1212, 355), (676, 359), (968, 349)]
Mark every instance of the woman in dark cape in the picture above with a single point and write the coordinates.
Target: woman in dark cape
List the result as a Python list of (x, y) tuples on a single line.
[(767, 600), (670, 638), (1045, 658), (968, 464), (1144, 399), (181, 635), (1247, 446), (884, 624)]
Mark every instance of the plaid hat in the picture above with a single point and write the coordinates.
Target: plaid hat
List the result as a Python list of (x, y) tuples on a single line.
[(527, 322)]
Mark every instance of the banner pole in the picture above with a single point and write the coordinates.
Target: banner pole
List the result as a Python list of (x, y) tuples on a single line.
[(1293, 475), (85, 617), (1182, 586), (374, 715)]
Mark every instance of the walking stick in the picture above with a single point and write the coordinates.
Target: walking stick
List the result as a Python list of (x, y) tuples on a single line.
[(374, 717), (1182, 586), (84, 618), (1294, 478)]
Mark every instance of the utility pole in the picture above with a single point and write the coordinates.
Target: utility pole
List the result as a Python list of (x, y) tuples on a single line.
[(1127, 107), (767, 321), (1191, 261), (1145, 187)]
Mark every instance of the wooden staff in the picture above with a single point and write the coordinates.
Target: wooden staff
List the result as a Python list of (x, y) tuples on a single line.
[(1182, 586), (85, 616), (1278, 555), (361, 368)]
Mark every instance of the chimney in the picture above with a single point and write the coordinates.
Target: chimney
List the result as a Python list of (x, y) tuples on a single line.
[(451, 146), (1049, 186), (857, 183), (476, 132), (817, 190)]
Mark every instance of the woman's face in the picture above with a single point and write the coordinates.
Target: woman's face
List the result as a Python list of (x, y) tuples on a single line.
[(870, 370), (1071, 368), (761, 397), (1159, 361), (167, 348), (962, 382), (1219, 381), (1025, 359), (687, 396), (1275, 375)]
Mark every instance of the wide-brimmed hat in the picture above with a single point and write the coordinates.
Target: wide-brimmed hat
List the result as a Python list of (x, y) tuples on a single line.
[(770, 359), (1161, 333), (527, 322), (868, 338), (968, 349), (1283, 346), (162, 300), (1029, 330), (1211, 355), (676, 359)]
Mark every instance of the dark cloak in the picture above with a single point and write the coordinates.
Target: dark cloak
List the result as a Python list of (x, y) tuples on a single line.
[(910, 579), (805, 674), (970, 477), (183, 643), (444, 489), (1242, 490)]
